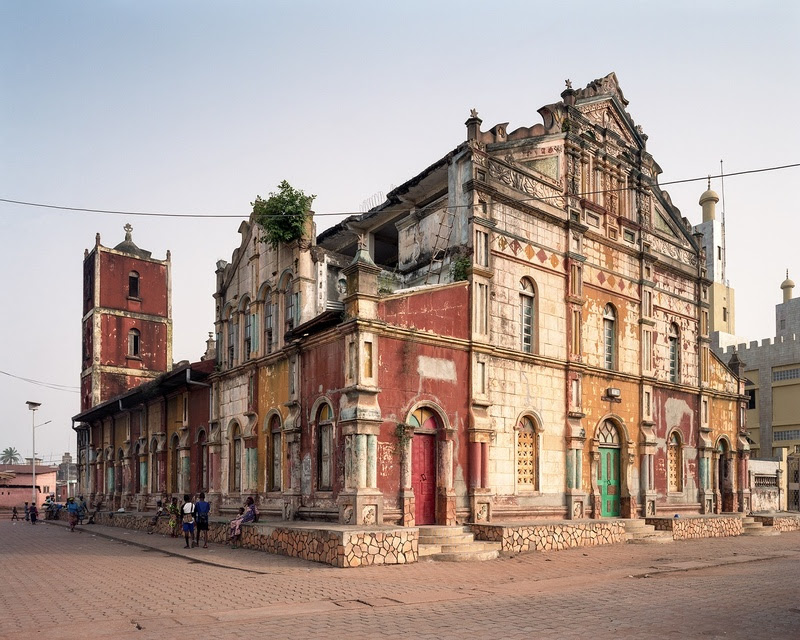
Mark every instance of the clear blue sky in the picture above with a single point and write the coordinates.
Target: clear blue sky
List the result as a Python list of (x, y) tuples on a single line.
[(197, 106)]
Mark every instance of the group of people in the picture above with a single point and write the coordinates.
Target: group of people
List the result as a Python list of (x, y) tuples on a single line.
[(192, 518), (75, 509)]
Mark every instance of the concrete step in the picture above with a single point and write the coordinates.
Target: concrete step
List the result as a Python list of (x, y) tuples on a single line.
[(465, 556), (463, 538), (428, 549), (758, 529), (471, 546), (635, 524), (659, 537)]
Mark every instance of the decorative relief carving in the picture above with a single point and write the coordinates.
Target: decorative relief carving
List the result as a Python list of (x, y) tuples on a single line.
[(665, 248), (369, 515), (577, 510), (521, 182), (347, 514), (483, 512)]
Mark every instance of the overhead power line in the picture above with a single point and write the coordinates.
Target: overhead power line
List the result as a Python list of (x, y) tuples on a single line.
[(160, 214), (48, 385)]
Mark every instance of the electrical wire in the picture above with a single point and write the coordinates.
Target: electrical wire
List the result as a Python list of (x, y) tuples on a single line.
[(358, 213), (48, 385)]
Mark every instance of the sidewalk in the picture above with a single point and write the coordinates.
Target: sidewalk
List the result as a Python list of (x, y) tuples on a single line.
[(216, 554)]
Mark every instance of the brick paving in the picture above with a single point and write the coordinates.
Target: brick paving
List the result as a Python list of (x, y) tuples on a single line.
[(105, 582)]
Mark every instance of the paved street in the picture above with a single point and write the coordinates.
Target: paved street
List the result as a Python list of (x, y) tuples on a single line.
[(77, 585)]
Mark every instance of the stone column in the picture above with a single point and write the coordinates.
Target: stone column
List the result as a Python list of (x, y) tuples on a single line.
[(445, 493), (405, 433), (576, 495)]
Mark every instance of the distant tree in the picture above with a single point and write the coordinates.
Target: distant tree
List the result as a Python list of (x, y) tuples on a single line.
[(10, 456), (283, 215)]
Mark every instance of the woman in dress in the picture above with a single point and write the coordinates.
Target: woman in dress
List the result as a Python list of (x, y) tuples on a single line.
[(249, 514)]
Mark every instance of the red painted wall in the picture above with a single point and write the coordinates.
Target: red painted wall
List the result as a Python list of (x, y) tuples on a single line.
[(323, 365), (441, 311), (152, 343), (667, 417), (114, 271)]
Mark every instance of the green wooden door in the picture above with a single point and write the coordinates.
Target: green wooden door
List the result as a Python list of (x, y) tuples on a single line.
[(609, 482)]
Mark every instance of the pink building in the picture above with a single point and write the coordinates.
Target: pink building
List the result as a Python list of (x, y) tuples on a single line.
[(16, 482)]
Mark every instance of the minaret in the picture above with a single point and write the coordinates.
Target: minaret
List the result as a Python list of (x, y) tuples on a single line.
[(787, 313), (127, 319), (721, 298)]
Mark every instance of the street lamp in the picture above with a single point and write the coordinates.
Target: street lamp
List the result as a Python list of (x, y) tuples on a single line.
[(33, 406)]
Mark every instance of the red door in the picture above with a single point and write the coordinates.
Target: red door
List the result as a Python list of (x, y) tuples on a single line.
[(423, 477)]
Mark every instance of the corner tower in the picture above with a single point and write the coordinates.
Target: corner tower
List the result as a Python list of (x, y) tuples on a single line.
[(127, 319)]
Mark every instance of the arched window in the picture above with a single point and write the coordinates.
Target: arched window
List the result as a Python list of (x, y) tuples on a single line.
[(288, 305), (267, 322), (174, 465), (274, 473), (237, 453), (609, 337), (325, 448), (608, 435), (134, 345), (248, 333), (527, 307), (424, 418), (527, 455), (674, 353), (133, 284), (675, 463), (202, 448), (232, 338)]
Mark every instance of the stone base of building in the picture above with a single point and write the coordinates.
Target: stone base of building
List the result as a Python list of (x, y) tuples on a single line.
[(551, 536), (779, 522), (336, 545), (690, 528), (408, 517)]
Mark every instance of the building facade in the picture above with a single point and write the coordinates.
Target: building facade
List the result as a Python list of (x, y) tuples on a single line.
[(519, 331)]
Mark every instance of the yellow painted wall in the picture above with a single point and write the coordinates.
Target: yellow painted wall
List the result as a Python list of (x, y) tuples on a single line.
[(273, 393)]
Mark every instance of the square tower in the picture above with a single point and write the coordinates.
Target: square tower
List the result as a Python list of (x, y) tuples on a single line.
[(127, 319)]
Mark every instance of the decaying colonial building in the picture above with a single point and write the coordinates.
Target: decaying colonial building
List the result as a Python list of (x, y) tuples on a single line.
[(519, 331)]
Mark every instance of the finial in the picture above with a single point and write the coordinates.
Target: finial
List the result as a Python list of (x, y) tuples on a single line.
[(787, 274), (568, 82), (128, 229), (473, 113), (709, 182)]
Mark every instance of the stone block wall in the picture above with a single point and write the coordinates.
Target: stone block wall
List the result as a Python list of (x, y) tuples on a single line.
[(551, 537), (337, 546), (693, 528), (780, 523)]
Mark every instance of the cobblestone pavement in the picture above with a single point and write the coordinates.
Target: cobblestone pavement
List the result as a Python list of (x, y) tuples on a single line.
[(104, 582)]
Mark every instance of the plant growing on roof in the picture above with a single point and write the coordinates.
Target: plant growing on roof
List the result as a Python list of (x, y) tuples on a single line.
[(283, 215)]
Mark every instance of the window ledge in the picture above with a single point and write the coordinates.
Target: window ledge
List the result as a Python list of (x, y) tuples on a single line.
[(128, 357), (134, 298)]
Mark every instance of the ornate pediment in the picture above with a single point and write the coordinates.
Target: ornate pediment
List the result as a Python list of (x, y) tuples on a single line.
[(605, 114), (607, 86)]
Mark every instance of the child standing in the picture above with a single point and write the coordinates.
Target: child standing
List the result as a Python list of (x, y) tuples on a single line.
[(14, 514), (187, 511)]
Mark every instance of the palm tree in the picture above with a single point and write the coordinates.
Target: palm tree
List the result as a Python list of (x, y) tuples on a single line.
[(10, 456)]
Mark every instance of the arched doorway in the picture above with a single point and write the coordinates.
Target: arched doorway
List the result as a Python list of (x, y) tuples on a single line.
[(423, 464), (724, 476), (608, 469)]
